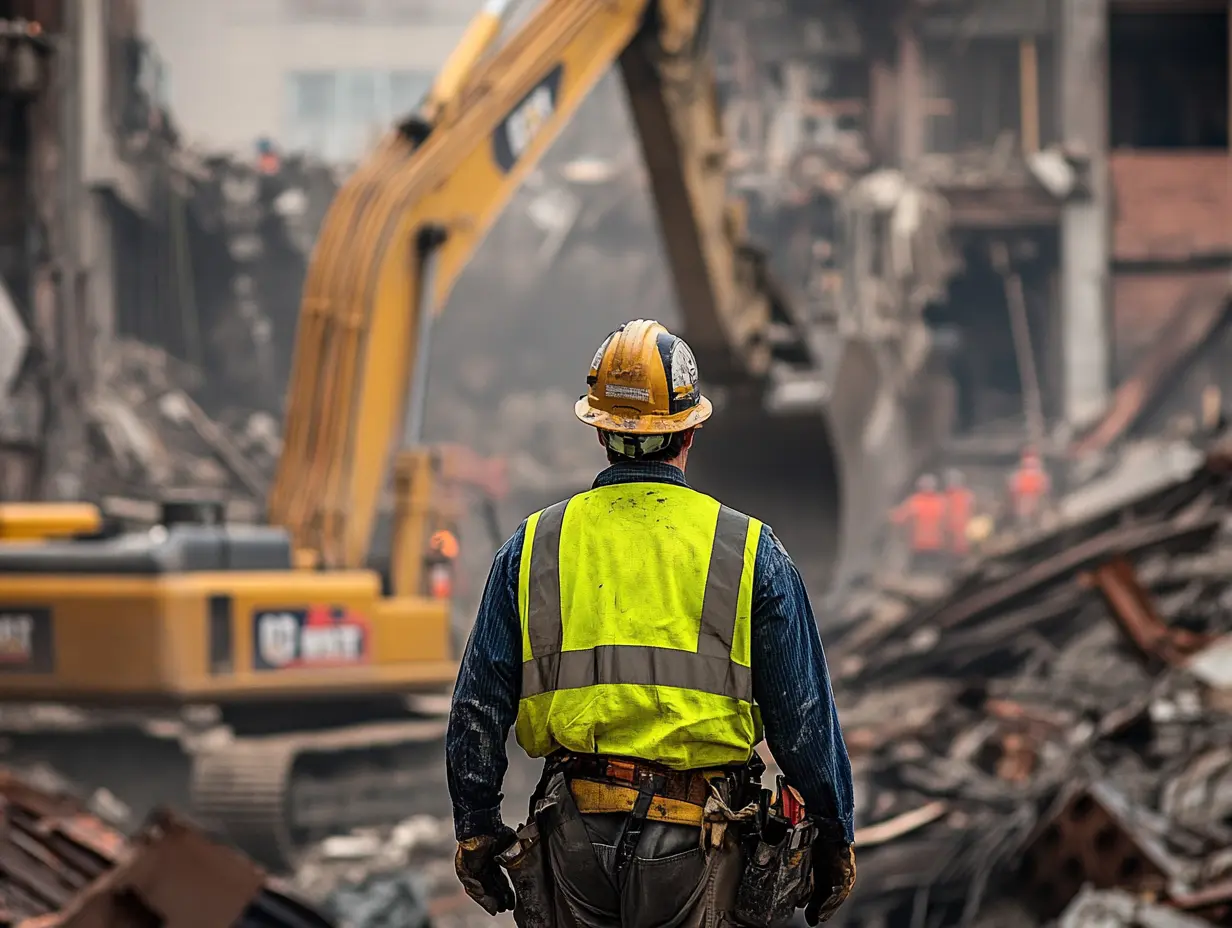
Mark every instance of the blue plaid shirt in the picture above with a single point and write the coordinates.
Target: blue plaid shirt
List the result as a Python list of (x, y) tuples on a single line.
[(790, 683)]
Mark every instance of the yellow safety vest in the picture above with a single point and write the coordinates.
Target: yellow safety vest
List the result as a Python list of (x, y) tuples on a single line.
[(635, 604)]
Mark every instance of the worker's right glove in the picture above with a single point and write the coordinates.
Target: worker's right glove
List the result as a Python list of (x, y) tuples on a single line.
[(480, 874), (834, 873)]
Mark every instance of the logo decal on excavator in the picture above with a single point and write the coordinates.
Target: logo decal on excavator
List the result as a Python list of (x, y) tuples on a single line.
[(319, 636), (525, 121), (26, 640)]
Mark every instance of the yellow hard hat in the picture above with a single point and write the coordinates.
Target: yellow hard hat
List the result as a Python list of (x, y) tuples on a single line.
[(643, 381)]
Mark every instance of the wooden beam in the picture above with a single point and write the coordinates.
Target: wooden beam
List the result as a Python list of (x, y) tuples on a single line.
[(1028, 95)]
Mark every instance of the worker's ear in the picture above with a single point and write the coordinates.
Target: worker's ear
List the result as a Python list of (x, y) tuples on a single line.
[(687, 440), (599, 435)]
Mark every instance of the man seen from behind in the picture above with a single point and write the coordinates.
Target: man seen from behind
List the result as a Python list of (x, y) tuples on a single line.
[(641, 637)]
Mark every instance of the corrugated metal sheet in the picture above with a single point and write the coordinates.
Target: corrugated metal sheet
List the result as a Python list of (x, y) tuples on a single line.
[(1170, 206)]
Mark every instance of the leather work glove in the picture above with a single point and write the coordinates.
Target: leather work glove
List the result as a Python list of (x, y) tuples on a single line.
[(480, 874), (834, 873)]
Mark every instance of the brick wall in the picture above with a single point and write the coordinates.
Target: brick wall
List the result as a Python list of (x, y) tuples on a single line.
[(1171, 223), (1170, 206)]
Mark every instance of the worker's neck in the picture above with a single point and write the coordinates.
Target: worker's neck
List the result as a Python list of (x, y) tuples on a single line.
[(677, 462)]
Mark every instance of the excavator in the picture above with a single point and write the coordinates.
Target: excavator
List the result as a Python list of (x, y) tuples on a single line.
[(268, 670)]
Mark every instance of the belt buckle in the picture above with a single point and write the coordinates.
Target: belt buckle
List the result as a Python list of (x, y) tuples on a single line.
[(621, 770)]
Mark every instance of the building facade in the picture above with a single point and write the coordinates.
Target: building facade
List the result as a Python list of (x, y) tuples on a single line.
[(1081, 148), (82, 141), (320, 76)]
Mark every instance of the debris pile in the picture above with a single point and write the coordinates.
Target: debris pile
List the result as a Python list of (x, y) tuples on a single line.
[(151, 434), (1061, 717), (398, 876), (62, 866)]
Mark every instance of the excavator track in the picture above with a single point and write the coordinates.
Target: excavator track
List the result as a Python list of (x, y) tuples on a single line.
[(273, 795)]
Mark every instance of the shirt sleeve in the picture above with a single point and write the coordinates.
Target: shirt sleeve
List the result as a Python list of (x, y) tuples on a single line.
[(791, 684), (485, 700)]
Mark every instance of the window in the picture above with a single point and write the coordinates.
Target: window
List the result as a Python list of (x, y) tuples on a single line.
[(1168, 80), (336, 114), (406, 89)]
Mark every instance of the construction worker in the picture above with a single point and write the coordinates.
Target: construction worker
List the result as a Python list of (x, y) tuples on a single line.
[(268, 160), (1029, 487), (923, 516), (442, 556), (1214, 418), (959, 511), (630, 630)]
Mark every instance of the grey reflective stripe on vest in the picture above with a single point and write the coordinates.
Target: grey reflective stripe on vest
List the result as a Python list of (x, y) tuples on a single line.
[(709, 670)]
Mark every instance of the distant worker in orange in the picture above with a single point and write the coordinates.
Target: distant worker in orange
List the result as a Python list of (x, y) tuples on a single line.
[(923, 515), (1030, 488), (959, 511), (268, 160), (443, 551)]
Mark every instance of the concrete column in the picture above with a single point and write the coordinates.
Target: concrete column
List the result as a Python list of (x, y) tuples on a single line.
[(1085, 225), (98, 164), (881, 107), (910, 94)]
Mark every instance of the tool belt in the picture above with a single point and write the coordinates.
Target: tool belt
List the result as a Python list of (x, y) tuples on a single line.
[(778, 864), (610, 784)]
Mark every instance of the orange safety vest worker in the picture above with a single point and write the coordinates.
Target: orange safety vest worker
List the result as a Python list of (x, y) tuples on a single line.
[(1028, 487), (959, 506), (443, 546), (924, 514)]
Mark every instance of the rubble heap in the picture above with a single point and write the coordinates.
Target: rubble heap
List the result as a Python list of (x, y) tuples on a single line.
[(62, 866), (397, 876), (1060, 718), (152, 435)]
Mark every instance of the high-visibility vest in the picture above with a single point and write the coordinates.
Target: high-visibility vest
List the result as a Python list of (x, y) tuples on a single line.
[(635, 604), (924, 512), (960, 507), (1027, 487)]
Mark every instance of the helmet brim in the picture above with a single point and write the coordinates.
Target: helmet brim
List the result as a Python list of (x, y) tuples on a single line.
[(643, 425)]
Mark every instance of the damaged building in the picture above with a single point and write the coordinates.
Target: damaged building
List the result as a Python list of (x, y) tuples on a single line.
[(134, 268), (80, 128), (1071, 159)]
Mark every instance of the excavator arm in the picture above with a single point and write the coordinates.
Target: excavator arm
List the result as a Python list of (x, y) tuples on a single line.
[(406, 224)]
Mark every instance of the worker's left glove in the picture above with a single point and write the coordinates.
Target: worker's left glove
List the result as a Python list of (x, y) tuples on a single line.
[(834, 874), (481, 875)]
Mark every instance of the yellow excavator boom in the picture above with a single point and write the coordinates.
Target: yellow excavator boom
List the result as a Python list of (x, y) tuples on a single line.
[(406, 224)]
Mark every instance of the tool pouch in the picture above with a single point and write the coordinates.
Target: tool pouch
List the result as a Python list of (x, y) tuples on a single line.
[(777, 877), (526, 863)]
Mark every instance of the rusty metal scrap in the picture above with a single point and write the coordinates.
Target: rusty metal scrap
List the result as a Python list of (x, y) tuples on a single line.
[(63, 867), (1135, 611)]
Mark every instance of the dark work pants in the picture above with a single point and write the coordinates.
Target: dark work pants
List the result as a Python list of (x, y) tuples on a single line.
[(671, 881)]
